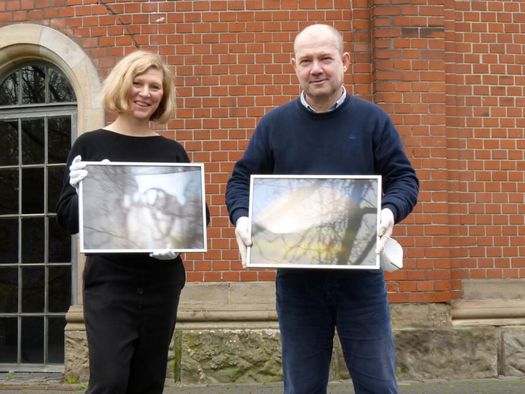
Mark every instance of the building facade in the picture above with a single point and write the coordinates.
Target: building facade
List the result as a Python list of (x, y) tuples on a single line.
[(450, 73)]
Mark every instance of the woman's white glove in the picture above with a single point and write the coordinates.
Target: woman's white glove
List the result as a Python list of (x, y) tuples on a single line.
[(242, 234), (77, 172), (386, 226), (164, 254)]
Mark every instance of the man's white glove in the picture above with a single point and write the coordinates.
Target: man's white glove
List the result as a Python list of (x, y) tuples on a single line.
[(164, 254), (242, 234), (386, 225), (77, 172)]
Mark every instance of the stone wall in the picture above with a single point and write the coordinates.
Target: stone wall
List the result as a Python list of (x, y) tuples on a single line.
[(229, 333)]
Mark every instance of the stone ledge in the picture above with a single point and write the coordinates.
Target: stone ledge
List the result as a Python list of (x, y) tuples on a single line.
[(494, 289), (488, 312), (230, 312), (226, 325), (228, 293)]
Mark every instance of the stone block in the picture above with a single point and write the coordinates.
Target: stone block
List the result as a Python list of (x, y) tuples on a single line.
[(338, 369), (469, 353), (512, 354), (209, 293), (227, 356), (76, 361), (420, 316), (498, 289), (253, 293)]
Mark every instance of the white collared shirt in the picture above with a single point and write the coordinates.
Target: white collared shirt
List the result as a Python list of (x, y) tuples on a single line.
[(337, 103)]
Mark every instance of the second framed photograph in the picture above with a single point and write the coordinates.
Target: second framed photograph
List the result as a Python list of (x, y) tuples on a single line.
[(314, 221), (141, 207)]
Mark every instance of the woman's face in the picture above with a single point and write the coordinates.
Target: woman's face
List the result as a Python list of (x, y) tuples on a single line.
[(146, 94)]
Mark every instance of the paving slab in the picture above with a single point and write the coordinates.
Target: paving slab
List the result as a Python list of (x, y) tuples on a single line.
[(29, 383)]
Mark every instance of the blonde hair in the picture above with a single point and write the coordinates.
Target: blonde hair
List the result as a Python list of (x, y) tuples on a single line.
[(116, 86)]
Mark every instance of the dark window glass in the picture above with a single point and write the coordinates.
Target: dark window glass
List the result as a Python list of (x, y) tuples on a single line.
[(59, 243), (56, 327), (59, 139), (33, 245), (33, 141), (8, 142), (33, 84), (8, 241), (33, 281), (33, 190), (8, 337), (35, 252), (9, 90), (9, 191), (8, 290), (59, 289), (32, 340), (54, 185), (60, 90)]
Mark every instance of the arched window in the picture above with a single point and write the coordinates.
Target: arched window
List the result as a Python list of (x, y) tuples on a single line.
[(37, 118)]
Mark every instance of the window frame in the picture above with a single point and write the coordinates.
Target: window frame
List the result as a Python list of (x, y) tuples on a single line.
[(19, 113)]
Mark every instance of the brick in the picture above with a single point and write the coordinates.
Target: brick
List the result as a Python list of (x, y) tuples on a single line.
[(451, 78)]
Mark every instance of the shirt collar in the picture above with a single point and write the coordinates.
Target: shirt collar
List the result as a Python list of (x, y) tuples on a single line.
[(337, 103)]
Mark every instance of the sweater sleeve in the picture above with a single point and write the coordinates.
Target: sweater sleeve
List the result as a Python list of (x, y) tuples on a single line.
[(399, 181), (67, 205)]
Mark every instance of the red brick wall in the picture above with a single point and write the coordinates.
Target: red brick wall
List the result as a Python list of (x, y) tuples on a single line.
[(410, 83), (449, 72), (485, 139)]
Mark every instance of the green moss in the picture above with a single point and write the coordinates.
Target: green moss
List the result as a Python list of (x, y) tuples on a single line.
[(177, 357), (72, 379)]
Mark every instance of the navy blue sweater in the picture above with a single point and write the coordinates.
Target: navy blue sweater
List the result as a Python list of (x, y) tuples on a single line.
[(357, 138)]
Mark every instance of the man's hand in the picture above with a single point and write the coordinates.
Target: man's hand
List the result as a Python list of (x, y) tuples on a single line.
[(386, 225), (77, 172), (242, 234), (164, 254)]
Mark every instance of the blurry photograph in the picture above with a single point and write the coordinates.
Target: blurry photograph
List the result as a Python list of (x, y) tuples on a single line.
[(314, 221), (141, 207)]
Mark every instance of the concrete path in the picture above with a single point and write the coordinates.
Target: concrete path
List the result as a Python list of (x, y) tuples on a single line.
[(10, 385)]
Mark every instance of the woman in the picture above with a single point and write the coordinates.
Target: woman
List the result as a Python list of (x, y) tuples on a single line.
[(130, 300)]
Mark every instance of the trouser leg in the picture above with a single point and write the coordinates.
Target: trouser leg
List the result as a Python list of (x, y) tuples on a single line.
[(307, 330), (148, 366), (111, 333), (130, 316), (364, 328)]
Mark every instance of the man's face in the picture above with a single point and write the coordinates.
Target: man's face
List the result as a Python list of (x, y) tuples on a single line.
[(320, 66)]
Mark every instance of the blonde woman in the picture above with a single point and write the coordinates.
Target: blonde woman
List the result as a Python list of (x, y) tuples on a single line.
[(130, 300)]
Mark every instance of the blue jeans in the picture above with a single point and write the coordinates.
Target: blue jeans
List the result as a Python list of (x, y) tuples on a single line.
[(311, 304)]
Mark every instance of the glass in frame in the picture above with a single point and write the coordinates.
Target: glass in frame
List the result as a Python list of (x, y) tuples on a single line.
[(314, 221)]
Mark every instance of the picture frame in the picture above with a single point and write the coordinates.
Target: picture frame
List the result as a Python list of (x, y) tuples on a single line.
[(135, 207), (310, 221)]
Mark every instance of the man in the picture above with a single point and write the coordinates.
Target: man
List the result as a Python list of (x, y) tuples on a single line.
[(328, 132)]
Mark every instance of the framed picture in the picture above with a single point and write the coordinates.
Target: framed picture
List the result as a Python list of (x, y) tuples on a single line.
[(314, 221), (139, 207)]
